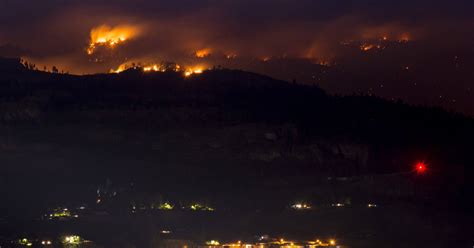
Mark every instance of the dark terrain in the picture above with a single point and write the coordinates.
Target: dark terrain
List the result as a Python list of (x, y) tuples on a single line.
[(246, 144)]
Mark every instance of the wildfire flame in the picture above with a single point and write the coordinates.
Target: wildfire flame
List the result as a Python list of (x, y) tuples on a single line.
[(193, 70), (404, 38), (163, 67), (202, 53), (120, 69), (366, 47), (110, 36)]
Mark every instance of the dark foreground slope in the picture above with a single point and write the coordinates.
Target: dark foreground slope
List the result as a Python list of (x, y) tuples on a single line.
[(235, 140)]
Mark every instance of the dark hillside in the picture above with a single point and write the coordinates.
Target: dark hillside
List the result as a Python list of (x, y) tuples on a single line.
[(218, 128)]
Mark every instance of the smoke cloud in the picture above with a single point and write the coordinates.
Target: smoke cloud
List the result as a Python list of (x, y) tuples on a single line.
[(58, 31)]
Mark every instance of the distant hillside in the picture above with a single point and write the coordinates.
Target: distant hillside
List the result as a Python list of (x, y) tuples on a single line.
[(217, 128)]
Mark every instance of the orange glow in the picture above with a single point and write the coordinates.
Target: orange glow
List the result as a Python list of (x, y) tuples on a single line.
[(120, 69), (153, 68), (366, 47), (193, 70), (110, 36), (203, 53), (404, 38), (161, 67), (148, 67), (323, 63)]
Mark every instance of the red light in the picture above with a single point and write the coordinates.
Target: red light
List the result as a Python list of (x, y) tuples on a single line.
[(420, 167)]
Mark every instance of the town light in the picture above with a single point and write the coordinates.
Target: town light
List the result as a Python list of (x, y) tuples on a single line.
[(166, 206), (72, 239), (46, 242), (212, 243), (301, 206)]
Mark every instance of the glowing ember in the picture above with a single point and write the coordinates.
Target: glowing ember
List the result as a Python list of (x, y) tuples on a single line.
[(110, 37), (203, 53), (367, 47)]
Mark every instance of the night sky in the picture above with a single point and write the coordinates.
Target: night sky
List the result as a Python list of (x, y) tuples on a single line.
[(57, 32)]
